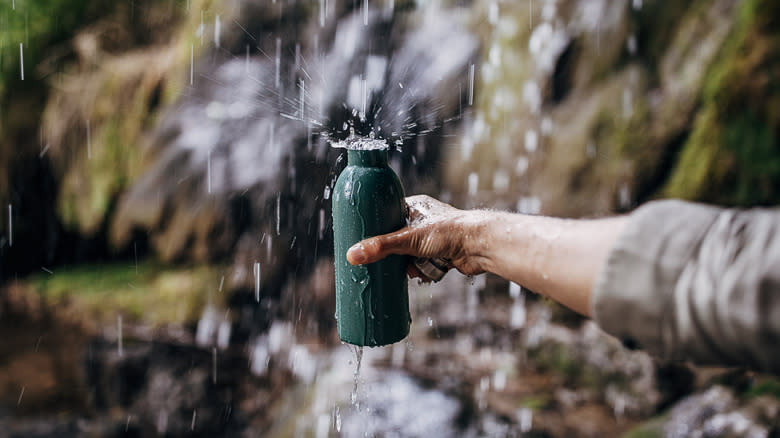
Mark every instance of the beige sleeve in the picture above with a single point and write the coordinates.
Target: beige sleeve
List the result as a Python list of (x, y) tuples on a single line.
[(691, 282)]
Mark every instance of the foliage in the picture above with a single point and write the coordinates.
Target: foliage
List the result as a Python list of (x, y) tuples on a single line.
[(39, 25)]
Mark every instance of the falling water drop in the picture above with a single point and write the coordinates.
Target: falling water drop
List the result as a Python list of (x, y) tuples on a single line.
[(278, 60), (21, 394), (499, 380), (526, 416), (194, 417), (246, 62), (531, 140), (493, 13), (365, 12), (21, 59), (473, 183), (322, 13), (202, 28), (364, 99), (217, 31), (192, 63), (297, 57), (256, 271), (518, 313), (471, 84), (303, 99)]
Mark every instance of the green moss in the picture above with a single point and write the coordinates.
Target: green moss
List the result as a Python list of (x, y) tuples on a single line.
[(733, 156), (699, 162), (536, 402), (764, 387), (145, 292), (653, 428)]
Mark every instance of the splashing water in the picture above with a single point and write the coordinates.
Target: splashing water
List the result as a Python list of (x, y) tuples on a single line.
[(357, 143)]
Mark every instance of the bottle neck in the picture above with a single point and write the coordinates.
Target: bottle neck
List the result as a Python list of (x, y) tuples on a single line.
[(371, 158)]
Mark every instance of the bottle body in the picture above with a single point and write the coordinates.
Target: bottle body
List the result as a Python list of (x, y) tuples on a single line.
[(372, 301)]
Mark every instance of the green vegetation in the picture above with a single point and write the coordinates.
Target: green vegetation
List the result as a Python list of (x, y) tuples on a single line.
[(765, 386), (146, 293), (732, 156), (537, 402), (653, 428)]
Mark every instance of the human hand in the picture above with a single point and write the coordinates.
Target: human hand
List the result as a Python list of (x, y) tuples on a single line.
[(435, 230)]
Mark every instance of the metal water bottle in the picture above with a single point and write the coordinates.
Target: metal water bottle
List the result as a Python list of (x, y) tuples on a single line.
[(372, 302)]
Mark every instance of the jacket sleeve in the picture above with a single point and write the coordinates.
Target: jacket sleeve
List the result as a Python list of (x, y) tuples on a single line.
[(691, 282)]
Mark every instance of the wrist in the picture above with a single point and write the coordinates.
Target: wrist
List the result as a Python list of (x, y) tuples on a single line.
[(478, 238)]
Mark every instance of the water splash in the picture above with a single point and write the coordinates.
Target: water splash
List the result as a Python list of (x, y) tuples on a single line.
[(358, 143)]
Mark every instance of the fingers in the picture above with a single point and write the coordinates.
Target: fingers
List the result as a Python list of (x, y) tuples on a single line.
[(379, 247)]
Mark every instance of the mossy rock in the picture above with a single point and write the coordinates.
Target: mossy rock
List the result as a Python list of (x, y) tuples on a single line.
[(144, 293), (732, 156)]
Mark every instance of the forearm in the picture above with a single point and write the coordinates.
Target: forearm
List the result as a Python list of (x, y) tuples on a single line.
[(557, 258)]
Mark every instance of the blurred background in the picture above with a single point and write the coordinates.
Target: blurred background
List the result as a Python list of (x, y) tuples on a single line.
[(165, 233)]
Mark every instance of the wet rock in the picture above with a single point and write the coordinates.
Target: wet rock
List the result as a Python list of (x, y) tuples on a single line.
[(717, 412)]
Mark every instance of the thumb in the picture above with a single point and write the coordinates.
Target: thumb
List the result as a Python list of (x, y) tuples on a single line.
[(376, 248)]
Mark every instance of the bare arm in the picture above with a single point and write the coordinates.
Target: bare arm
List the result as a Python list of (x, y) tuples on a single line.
[(555, 257)]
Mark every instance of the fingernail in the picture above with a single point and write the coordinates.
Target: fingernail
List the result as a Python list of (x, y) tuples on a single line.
[(357, 254)]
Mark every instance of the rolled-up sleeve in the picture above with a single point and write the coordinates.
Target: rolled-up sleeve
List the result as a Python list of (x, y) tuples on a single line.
[(691, 282)]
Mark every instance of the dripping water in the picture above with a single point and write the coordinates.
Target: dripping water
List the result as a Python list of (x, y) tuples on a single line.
[(358, 360)]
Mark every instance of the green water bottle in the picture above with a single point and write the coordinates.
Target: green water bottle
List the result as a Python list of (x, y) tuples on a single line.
[(372, 302)]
